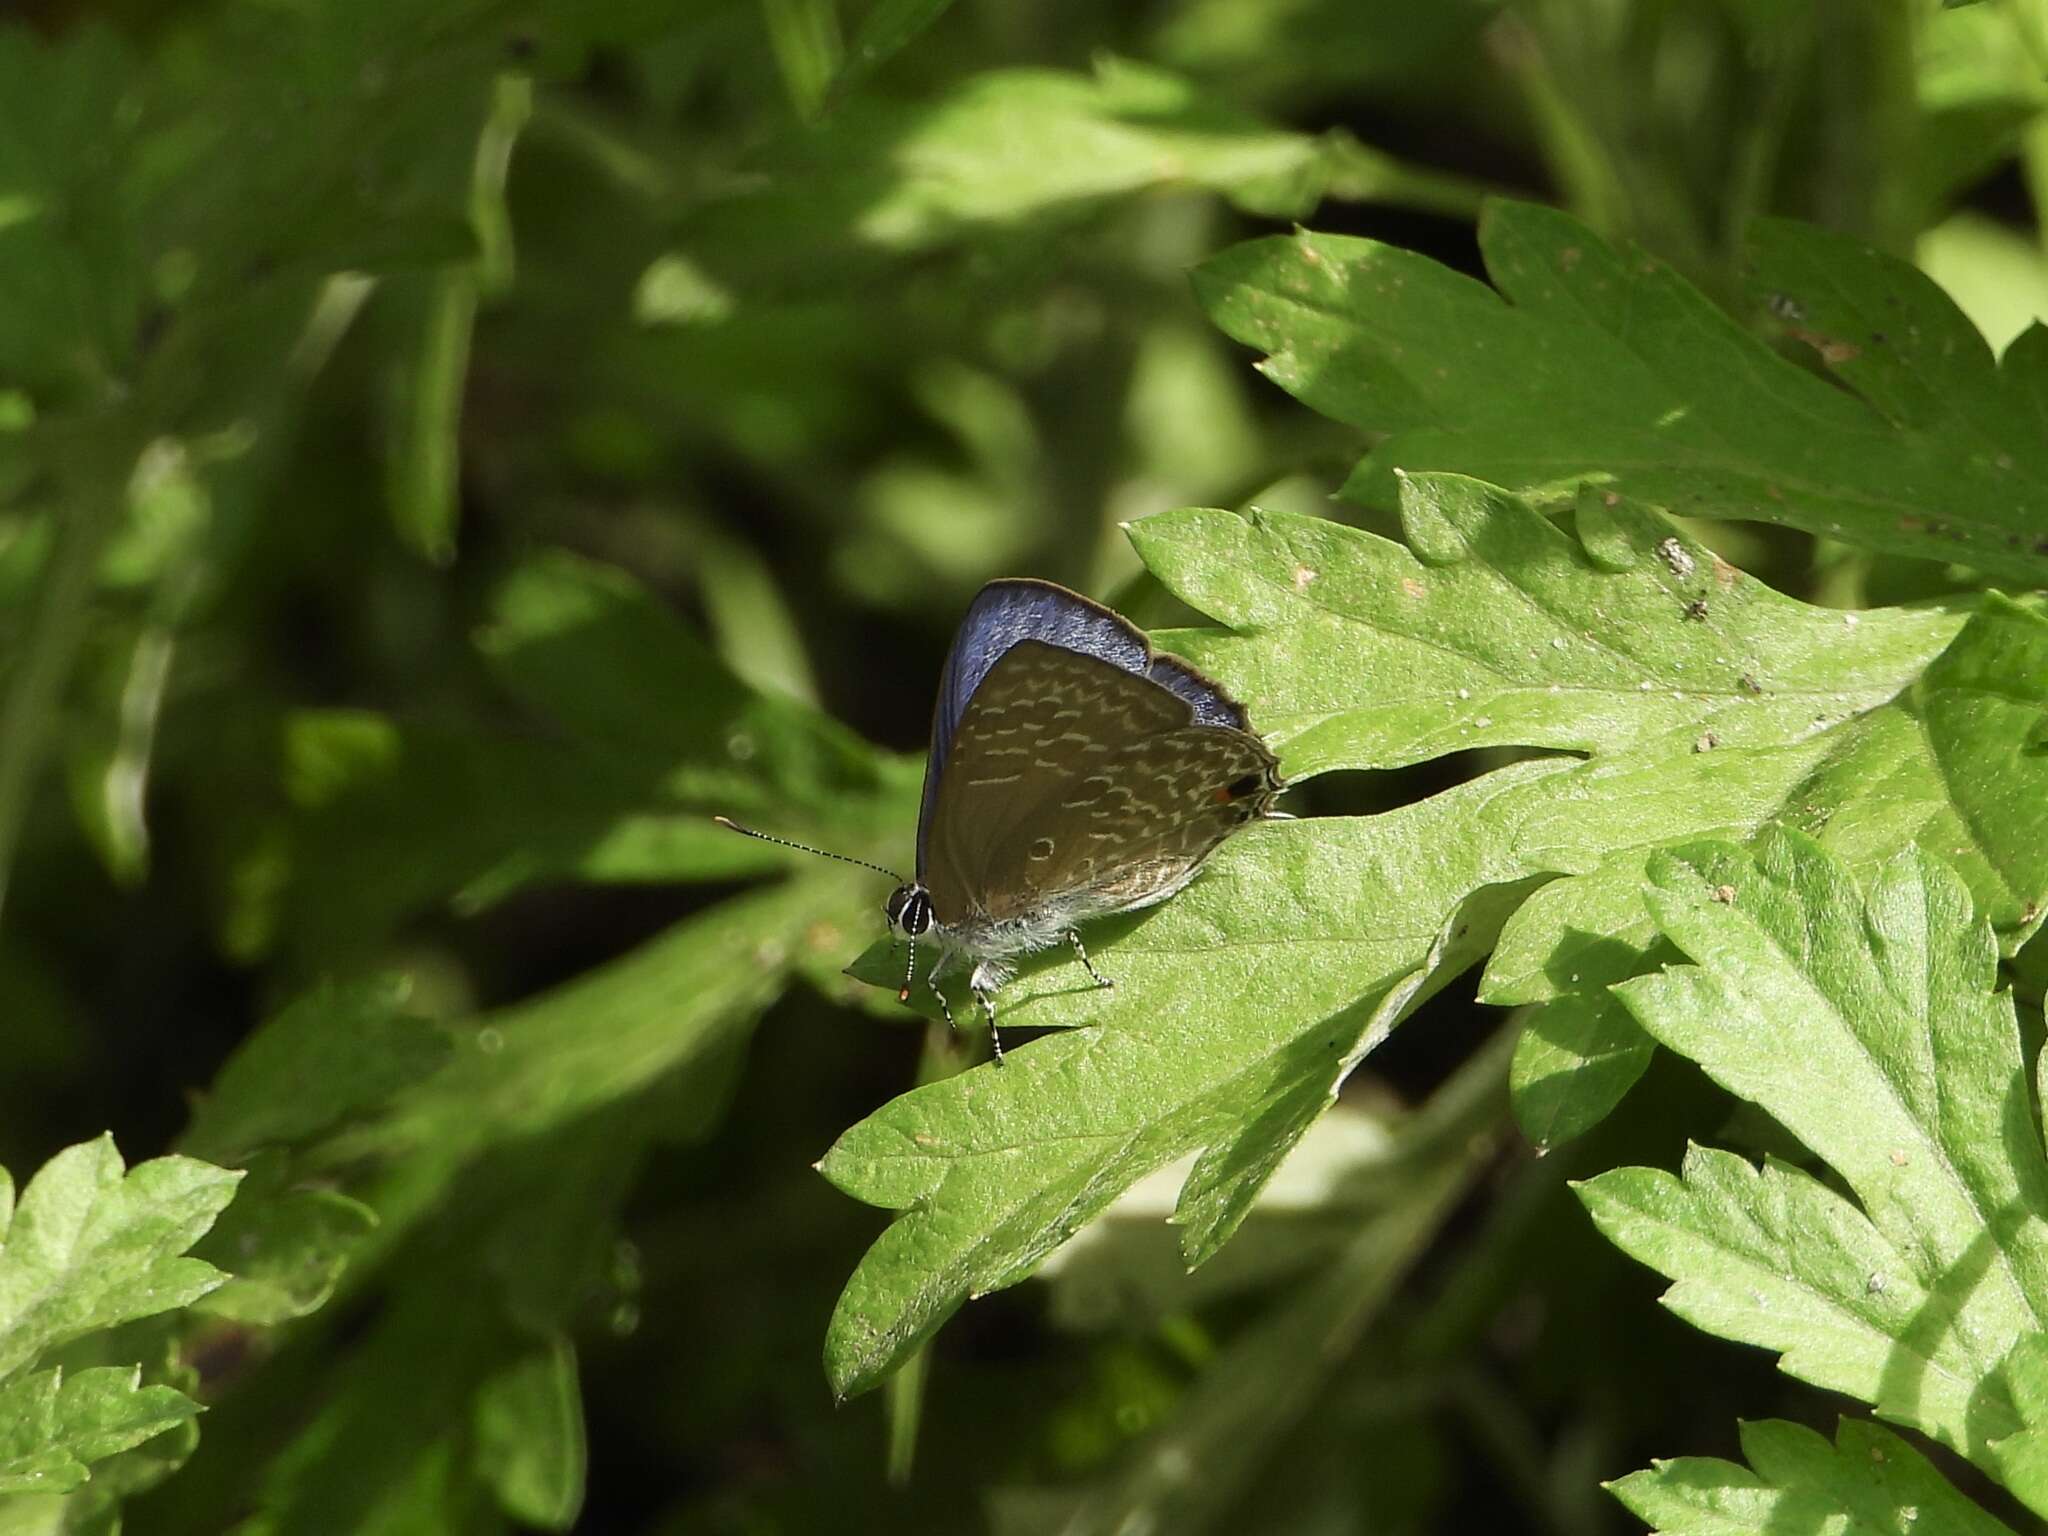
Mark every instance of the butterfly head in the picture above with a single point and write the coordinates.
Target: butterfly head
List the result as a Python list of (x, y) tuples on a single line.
[(909, 910)]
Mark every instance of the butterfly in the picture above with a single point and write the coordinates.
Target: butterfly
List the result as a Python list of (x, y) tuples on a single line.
[(1074, 773)]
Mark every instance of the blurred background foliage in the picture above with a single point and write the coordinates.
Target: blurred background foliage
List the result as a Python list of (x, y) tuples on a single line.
[(450, 447)]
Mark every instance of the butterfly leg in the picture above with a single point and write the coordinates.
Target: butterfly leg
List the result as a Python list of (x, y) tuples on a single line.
[(1088, 965), (983, 996), (932, 980)]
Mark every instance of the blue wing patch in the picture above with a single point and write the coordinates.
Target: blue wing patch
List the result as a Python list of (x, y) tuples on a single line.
[(1212, 705), (1007, 611)]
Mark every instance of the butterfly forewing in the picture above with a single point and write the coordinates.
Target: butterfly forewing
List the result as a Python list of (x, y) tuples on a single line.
[(1002, 614), (1076, 783)]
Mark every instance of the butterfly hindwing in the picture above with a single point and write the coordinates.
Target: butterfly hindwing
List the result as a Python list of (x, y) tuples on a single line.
[(1187, 791), (1078, 784)]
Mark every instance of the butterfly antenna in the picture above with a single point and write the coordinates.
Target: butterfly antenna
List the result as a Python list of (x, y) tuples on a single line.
[(732, 826)]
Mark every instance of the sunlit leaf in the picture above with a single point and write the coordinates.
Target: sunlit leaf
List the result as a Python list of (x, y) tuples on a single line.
[(93, 1243), (1588, 363), (53, 1426), (1864, 1021), (1868, 1483)]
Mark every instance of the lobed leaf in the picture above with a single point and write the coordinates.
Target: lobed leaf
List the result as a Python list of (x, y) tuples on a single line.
[(93, 1244), (1239, 1006), (1774, 1258), (1952, 763), (1242, 1003), (54, 1425), (1588, 363), (1496, 627), (1866, 1023), (1868, 1483), (1493, 626)]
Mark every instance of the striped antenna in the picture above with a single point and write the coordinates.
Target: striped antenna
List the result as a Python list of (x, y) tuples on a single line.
[(730, 825)]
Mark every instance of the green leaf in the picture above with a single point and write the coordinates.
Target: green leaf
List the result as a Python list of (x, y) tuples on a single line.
[(93, 1244), (289, 1246), (1578, 1057), (434, 315), (1775, 1258), (1868, 1483), (1596, 364), (600, 1042), (68, 288), (335, 1053), (499, 1182), (1950, 762), (2020, 1460), (1866, 1023), (586, 646), (53, 1426), (529, 1437), (437, 313), (805, 37), (1006, 149), (1239, 1007), (621, 786), (1496, 627), (1242, 1003)]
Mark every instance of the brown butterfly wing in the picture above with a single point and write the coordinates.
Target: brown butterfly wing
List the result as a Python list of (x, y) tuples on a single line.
[(1071, 780), (1169, 801)]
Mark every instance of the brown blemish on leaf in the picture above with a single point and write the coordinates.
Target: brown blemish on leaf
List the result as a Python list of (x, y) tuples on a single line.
[(1412, 587), (1724, 894), (1568, 258), (1724, 573), (1833, 352), (1707, 742), (1304, 578)]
